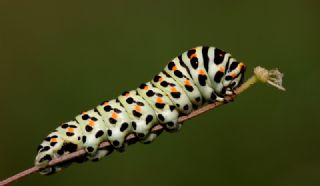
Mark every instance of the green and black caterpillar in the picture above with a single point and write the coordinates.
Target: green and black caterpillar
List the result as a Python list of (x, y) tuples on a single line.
[(197, 77)]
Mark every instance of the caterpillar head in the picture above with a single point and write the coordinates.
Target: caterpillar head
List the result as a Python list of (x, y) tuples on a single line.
[(234, 75)]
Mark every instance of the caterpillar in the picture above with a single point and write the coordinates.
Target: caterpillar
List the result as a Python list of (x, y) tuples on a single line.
[(197, 77)]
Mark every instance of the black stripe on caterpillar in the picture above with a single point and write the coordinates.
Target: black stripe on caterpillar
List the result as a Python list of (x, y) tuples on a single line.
[(198, 76)]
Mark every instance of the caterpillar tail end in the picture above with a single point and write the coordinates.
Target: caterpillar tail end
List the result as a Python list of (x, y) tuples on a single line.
[(49, 149)]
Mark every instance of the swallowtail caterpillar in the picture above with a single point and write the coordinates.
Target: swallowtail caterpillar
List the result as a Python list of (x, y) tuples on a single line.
[(197, 77)]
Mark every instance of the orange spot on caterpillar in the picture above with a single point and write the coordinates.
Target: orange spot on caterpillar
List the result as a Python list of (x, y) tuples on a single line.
[(221, 69), (173, 89), (114, 115), (193, 55), (105, 103), (187, 82), (146, 87), (159, 100), (174, 68), (137, 108), (91, 123), (53, 140), (201, 72), (83, 113), (70, 129), (241, 65), (233, 75)]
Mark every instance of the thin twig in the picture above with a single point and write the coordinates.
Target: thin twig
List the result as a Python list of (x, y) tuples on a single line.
[(260, 74)]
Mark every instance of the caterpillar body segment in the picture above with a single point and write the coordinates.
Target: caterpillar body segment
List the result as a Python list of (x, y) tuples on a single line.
[(217, 63), (117, 122), (142, 115), (94, 131), (174, 92), (197, 77), (195, 62), (180, 73), (164, 108)]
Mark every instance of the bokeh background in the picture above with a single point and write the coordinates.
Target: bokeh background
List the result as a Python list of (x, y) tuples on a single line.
[(58, 58)]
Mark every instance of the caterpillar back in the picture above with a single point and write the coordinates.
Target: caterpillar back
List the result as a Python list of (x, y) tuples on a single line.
[(197, 77)]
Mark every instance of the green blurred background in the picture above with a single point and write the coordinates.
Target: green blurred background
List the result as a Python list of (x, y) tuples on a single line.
[(58, 58)]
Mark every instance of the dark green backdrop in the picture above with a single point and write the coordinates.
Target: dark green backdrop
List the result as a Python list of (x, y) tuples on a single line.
[(60, 58)]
